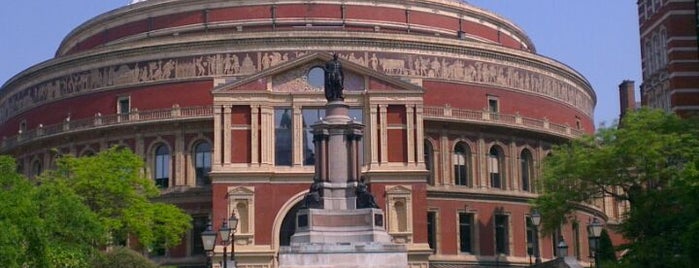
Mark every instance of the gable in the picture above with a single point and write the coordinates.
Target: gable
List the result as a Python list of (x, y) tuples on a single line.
[(293, 76)]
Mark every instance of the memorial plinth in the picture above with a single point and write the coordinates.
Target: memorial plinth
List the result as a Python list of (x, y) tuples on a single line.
[(341, 225)]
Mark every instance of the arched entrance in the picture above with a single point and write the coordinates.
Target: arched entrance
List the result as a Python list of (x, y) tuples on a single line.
[(288, 225)]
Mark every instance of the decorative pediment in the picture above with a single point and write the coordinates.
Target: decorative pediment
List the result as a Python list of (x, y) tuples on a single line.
[(399, 189), (240, 191), (298, 76)]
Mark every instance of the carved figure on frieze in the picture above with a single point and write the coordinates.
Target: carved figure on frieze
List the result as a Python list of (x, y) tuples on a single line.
[(248, 66), (334, 79), (374, 62), (364, 198)]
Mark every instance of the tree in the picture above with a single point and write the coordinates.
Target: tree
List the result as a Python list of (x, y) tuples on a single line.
[(43, 225), (651, 163), (112, 184)]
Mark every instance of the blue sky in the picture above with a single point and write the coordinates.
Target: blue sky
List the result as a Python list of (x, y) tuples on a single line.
[(598, 38)]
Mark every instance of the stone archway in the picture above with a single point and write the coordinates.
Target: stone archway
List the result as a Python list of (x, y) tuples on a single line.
[(285, 221)]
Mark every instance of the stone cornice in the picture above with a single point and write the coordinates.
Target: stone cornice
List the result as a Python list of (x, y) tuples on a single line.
[(153, 8)]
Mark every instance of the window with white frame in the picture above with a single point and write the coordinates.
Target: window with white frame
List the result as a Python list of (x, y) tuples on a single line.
[(462, 164), (495, 167), (202, 163), (162, 166)]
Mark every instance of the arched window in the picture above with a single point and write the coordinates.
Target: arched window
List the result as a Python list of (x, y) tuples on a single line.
[(429, 162), (162, 166), (462, 161), (202, 163), (526, 170), (495, 167)]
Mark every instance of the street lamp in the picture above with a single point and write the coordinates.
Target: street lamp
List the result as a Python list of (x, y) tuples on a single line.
[(594, 231), (562, 248), (536, 221), (233, 220), (208, 239), (225, 233)]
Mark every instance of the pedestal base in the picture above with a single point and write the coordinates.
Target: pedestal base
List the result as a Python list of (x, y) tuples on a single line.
[(359, 255)]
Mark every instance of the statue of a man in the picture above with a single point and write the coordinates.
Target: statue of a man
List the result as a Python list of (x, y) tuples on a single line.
[(334, 79)]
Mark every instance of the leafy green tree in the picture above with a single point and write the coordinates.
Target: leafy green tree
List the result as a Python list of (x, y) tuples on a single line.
[(651, 163), (113, 185), (43, 225)]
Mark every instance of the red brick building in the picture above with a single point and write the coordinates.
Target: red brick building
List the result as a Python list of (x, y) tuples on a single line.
[(669, 55), (218, 97)]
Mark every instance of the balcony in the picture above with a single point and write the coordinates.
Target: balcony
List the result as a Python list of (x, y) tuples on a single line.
[(99, 121)]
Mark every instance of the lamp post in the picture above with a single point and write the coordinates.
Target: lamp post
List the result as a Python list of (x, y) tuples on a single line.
[(562, 248), (208, 239), (225, 233), (594, 231), (233, 220), (536, 221)]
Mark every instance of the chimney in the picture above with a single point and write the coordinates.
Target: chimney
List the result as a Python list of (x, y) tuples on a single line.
[(627, 97)]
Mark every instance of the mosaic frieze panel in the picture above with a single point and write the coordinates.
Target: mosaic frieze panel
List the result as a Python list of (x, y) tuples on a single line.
[(242, 64)]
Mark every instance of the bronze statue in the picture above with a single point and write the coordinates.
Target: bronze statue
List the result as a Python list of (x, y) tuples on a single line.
[(334, 79), (364, 198), (313, 198)]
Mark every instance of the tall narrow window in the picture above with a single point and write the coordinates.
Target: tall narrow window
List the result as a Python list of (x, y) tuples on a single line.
[(495, 160), (123, 107), (466, 232), (198, 226), (493, 107), (162, 166), (309, 117), (532, 239), (501, 234), (432, 230), (576, 239), (282, 136), (429, 162), (462, 161), (202, 163), (526, 169)]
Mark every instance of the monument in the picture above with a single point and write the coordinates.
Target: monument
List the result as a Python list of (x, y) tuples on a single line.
[(340, 225)]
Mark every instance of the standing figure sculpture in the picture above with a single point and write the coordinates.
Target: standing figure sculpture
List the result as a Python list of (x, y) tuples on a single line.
[(334, 79)]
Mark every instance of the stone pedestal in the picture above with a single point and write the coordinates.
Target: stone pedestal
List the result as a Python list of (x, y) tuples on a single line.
[(361, 255), (335, 232)]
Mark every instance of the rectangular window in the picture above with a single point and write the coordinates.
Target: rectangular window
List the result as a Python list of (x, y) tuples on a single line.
[(493, 107), (466, 232), (282, 136), (198, 226), (576, 240), (123, 108), (309, 117), (501, 234), (432, 230)]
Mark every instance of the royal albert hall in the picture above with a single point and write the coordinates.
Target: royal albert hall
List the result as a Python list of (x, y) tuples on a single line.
[(219, 96)]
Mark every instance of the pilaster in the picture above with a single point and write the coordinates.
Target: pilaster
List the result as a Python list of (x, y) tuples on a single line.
[(255, 134), (410, 133), (179, 153), (227, 137), (383, 129), (217, 159)]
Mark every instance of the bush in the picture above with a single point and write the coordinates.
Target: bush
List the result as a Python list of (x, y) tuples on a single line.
[(122, 257)]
